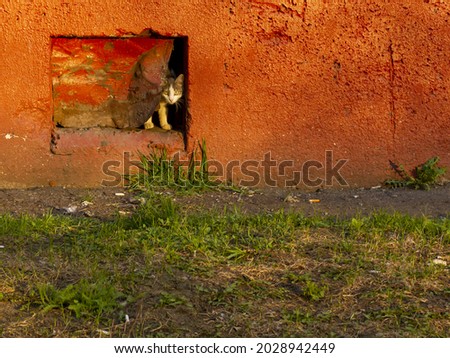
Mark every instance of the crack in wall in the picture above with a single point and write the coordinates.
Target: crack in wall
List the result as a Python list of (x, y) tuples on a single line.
[(304, 7), (392, 105)]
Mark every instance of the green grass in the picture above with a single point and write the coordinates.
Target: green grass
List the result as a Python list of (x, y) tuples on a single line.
[(90, 300), (178, 273), (158, 170)]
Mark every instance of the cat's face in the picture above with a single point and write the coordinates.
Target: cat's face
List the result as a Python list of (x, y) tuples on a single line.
[(173, 90)]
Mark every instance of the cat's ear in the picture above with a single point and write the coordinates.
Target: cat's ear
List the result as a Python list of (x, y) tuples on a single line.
[(179, 80)]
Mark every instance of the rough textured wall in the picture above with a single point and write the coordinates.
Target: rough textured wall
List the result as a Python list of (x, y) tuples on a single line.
[(365, 80), (302, 80)]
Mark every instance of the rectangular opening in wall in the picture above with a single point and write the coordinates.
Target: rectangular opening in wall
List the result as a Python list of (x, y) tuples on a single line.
[(119, 84)]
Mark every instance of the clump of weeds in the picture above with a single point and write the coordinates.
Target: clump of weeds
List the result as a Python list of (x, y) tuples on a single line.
[(423, 176)]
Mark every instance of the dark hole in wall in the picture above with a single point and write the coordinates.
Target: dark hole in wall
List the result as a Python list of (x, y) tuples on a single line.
[(178, 64), (91, 77)]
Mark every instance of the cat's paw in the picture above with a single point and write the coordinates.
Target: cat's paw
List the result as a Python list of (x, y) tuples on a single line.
[(166, 126), (148, 125)]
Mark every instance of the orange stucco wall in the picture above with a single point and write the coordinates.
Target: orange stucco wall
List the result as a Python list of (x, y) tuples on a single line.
[(318, 81)]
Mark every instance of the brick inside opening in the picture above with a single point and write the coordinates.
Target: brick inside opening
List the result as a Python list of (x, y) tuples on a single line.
[(91, 79)]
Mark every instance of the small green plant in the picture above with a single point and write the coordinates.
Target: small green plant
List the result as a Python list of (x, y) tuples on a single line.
[(310, 290), (158, 170), (157, 211), (422, 177), (297, 316), (84, 299), (313, 291), (226, 295), (170, 300)]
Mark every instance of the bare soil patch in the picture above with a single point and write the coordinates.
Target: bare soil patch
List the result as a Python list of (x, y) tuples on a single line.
[(105, 203)]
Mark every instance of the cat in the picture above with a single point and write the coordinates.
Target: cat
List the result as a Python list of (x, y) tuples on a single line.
[(152, 89), (172, 91)]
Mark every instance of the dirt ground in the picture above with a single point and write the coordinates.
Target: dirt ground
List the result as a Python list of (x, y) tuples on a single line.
[(105, 203)]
